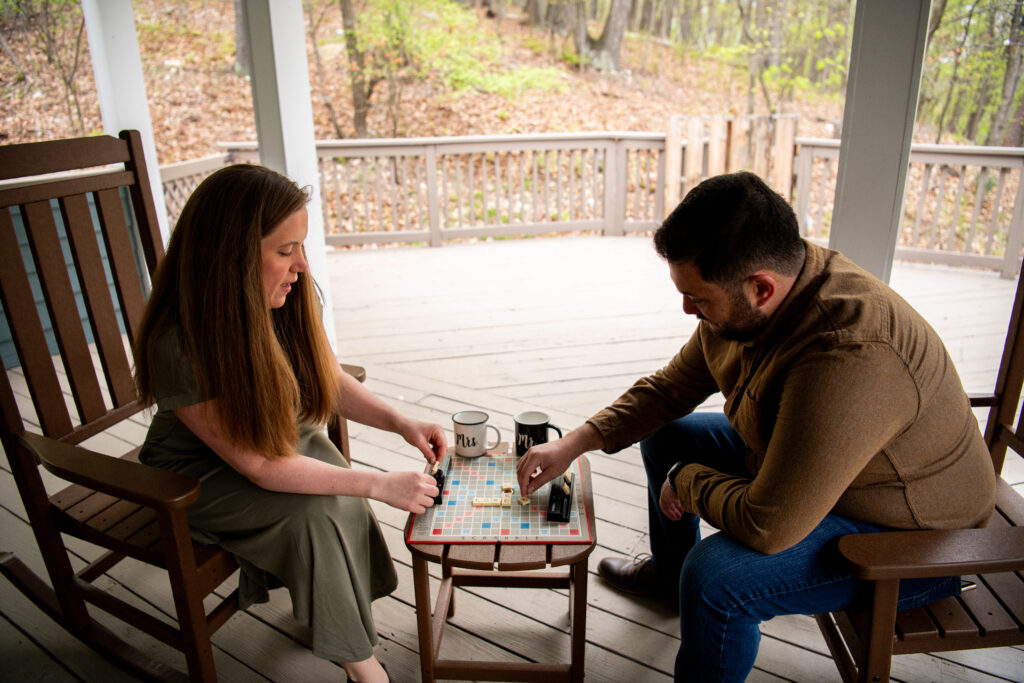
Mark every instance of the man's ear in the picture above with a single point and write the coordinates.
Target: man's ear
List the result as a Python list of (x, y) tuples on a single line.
[(761, 287)]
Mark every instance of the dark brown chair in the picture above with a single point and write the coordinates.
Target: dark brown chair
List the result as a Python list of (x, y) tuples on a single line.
[(72, 380), (990, 612)]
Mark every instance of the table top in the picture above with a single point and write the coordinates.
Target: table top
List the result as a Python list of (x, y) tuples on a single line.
[(507, 556)]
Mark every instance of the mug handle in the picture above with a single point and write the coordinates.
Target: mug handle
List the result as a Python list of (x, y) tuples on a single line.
[(496, 441), (551, 426)]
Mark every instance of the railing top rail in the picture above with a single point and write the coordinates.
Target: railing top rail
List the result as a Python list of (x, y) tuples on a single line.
[(816, 142), (180, 169), (929, 148), (600, 136)]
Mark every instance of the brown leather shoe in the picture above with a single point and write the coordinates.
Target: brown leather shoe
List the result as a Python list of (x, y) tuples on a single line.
[(636, 576)]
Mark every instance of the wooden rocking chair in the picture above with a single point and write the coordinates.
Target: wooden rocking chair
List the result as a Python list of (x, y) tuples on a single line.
[(80, 386), (988, 614)]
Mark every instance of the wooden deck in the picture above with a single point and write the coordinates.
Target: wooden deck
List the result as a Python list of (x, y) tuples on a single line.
[(558, 324)]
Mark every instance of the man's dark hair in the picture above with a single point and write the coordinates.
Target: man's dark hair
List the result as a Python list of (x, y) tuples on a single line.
[(730, 226)]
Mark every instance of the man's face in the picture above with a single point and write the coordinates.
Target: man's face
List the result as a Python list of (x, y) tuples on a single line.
[(727, 311)]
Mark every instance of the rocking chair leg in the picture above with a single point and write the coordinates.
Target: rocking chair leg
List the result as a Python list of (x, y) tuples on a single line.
[(93, 634)]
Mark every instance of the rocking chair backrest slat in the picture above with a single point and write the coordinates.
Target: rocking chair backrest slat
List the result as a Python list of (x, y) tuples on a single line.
[(98, 302), (122, 259), (60, 302), (28, 336)]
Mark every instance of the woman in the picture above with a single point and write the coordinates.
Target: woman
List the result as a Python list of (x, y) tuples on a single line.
[(232, 352)]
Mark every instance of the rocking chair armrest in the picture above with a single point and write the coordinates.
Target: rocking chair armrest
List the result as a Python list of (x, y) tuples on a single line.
[(933, 553), (133, 481), (357, 371)]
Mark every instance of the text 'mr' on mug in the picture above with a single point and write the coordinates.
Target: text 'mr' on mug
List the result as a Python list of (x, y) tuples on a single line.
[(531, 429)]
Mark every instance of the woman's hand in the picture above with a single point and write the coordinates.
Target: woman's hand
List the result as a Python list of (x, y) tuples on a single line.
[(427, 437), (409, 491)]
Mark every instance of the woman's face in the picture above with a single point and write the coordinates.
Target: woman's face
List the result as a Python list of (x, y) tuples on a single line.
[(284, 257)]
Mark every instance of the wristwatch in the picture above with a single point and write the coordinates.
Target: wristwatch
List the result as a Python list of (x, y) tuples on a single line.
[(673, 472)]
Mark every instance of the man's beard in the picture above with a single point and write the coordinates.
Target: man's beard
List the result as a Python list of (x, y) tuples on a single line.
[(745, 322)]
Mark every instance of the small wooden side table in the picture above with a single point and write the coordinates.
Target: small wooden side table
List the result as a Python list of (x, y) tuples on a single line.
[(501, 565)]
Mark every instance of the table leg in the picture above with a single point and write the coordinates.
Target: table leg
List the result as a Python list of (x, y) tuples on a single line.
[(446, 573), (578, 617), (421, 586)]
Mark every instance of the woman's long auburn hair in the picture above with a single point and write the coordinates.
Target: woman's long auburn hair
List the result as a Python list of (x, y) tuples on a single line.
[(266, 368)]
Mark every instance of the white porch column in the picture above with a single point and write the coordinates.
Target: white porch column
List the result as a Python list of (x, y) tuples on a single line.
[(121, 90), (889, 40), (284, 117)]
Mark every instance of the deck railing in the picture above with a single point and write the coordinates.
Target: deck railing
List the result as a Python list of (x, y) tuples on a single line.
[(962, 205)]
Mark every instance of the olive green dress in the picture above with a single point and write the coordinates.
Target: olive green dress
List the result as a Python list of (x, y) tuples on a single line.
[(327, 550)]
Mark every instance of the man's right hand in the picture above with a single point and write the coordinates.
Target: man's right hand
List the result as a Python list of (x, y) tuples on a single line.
[(553, 458)]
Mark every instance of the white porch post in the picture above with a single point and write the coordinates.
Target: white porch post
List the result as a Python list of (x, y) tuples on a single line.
[(889, 40), (121, 90), (284, 117)]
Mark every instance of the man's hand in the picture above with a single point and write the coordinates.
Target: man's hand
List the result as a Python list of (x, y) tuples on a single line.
[(552, 458), (669, 502)]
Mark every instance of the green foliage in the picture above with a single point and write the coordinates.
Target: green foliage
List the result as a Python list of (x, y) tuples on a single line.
[(446, 41), (965, 66)]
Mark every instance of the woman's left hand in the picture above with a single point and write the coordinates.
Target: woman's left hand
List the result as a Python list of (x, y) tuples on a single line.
[(427, 437)]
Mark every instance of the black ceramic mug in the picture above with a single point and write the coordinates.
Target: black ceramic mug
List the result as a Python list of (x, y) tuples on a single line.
[(531, 429)]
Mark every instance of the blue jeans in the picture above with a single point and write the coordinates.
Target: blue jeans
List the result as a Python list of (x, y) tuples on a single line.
[(727, 589)]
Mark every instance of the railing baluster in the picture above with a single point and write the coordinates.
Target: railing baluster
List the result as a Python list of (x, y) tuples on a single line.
[(994, 220), (955, 221)]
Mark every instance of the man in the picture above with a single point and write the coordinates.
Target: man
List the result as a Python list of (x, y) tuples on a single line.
[(843, 414)]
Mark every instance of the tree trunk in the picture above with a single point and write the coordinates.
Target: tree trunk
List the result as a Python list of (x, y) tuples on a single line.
[(1015, 131), (935, 20), (536, 10), (606, 51), (362, 87), (241, 65), (580, 35), (668, 11), (982, 93), (954, 79), (1012, 78), (314, 26)]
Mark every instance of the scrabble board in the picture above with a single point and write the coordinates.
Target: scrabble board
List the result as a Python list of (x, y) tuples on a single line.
[(458, 520)]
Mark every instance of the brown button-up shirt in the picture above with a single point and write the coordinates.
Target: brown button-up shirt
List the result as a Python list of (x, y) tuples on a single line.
[(848, 403)]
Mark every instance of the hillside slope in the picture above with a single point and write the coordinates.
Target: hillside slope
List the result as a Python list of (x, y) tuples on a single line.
[(197, 100)]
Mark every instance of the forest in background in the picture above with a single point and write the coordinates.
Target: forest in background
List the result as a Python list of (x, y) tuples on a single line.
[(403, 68)]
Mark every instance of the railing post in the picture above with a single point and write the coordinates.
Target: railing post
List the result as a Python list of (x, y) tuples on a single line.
[(803, 187), (673, 162), (615, 188), (782, 155), (433, 202), (693, 161), (1015, 234)]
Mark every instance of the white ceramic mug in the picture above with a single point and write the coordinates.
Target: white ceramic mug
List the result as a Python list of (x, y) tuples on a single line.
[(471, 433)]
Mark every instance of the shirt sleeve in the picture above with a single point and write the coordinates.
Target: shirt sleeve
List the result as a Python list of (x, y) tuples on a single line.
[(671, 392), (832, 420), (173, 379)]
